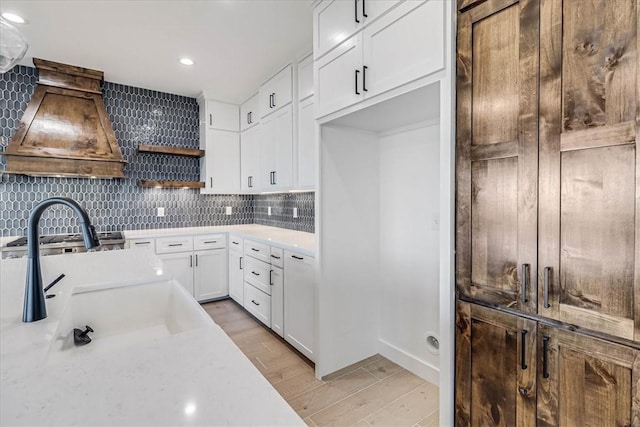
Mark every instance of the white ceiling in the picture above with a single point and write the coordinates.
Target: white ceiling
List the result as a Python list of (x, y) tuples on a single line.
[(236, 44)]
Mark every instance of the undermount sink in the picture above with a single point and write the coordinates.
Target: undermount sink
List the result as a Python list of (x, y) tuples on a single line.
[(123, 315)]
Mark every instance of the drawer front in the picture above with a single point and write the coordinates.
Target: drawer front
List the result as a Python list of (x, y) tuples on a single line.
[(277, 257), (236, 243), (209, 241), (167, 245), (258, 274), (147, 244), (257, 250), (257, 303)]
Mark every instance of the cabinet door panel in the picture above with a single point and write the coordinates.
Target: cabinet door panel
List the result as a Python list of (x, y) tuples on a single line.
[(585, 381), (496, 198), (180, 267), (277, 300), (210, 274), (236, 276), (334, 22), (495, 368), (250, 146), (307, 145), (589, 250), (222, 162)]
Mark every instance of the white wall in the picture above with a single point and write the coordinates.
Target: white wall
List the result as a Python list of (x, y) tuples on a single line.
[(409, 247)]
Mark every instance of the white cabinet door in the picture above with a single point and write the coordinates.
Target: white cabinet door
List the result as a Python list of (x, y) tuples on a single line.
[(277, 300), (236, 280), (210, 274), (221, 172), (250, 152), (221, 115), (180, 267), (307, 144), (277, 92), (249, 115), (305, 77), (299, 302), (338, 77), (404, 46), (276, 154), (257, 303)]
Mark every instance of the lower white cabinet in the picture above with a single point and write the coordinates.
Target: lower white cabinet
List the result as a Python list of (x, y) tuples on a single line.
[(210, 274), (277, 300), (236, 264), (299, 302), (257, 303), (180, 267)]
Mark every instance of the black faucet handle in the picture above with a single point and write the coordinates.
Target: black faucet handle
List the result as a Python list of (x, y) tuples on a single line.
[(86, 331), (82, 337)]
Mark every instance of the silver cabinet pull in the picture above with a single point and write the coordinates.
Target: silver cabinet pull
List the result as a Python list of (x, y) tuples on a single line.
[(545, 283), (525, 282)]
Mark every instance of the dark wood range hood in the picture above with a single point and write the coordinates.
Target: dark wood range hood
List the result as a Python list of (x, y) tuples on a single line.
[(65, 130)]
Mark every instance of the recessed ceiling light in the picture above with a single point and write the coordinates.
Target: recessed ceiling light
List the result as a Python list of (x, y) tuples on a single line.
[(13, 18), (186, 61)]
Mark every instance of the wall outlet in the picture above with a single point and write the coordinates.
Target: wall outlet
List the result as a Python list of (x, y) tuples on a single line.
[(160, 212), (269, 210), (295, 212), (228, 210)]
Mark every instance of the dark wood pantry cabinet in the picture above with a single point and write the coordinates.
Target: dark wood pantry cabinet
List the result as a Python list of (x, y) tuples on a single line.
[(547, 199)]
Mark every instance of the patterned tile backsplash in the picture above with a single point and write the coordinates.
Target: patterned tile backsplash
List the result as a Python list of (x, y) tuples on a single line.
[(137, 116)]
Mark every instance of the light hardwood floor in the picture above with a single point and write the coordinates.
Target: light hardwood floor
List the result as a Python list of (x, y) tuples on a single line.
[(374, 392)]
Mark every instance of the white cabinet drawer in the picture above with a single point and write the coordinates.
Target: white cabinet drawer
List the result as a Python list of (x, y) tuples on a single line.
[(257, 250), (167, 245), (148, 244), (258, 274), (257, 303), (236, 243), (277, 257), (209, 241)]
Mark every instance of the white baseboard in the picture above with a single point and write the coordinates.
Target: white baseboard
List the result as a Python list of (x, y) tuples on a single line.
[(409, 362)]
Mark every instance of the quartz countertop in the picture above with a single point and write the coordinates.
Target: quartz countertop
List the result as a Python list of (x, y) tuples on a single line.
[(198, 377), (298, 241)]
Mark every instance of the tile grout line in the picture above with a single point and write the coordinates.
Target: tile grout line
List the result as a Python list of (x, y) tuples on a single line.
[(395, 400)]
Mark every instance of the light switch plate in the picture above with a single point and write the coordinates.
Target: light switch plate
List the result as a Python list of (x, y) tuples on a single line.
[(160, 212), (228, 210)]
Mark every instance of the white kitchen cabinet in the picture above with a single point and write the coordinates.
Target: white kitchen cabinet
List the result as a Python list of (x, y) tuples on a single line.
[(236, 274), (277, 92), (277, 300), (305, 77), (337, 20), (249, 114), (299, 302), (307, 145), (220, 166), (199, 263), (405, 44), (219, 115), (276, 153), (257, 303), (250, 142), (257, 273)]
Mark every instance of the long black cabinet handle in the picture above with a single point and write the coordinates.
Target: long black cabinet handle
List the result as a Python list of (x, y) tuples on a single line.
[(190, 260), (364, 9), (357, 72), (364, 78), (525, 282), (196, 260), (271, 277), (355, 10), (211, 181), (208, 242), (275, 178), (545, 357), (274, 99), (175, 244), (210, 119), (545, 284), (241, 266), (523, 349), (296, 257)]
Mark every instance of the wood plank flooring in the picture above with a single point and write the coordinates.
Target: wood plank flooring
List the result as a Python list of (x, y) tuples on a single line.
[(372, 392)]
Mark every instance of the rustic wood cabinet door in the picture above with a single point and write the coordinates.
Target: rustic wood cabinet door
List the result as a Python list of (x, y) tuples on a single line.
[(497, 144), (586, 381), (589, 249), (495, 368)]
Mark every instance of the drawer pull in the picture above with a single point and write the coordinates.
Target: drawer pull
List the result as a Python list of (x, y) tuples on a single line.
[(524, 280), (171, 245), (255, 250), (254, 301), (196, 260), (297, 257), (255, 274), (142, 243), (545, 290), (235, 243), (190, 260), (276, 257), (523, 350), (545, 357), (208, 242)]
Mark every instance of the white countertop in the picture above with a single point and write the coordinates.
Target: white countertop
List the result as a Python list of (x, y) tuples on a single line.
[(198, 377), (298, 241)]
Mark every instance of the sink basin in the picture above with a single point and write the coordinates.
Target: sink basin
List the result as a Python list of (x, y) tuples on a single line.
[(124, 315)]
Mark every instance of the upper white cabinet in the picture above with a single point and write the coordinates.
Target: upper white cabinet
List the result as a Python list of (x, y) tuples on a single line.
[(220, 166), (249, 115), (219, 115), (305, 78), (250, 142), (277, 92), (276, 153), (307, 146), (403, 45), (337, 20)]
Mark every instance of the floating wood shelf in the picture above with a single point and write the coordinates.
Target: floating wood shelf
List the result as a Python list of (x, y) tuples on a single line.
[(170, 184), (175, 151)]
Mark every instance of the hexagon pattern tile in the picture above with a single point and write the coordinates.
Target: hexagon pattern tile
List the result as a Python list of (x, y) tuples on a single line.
[(137, 116)]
